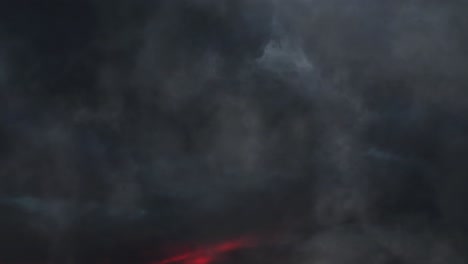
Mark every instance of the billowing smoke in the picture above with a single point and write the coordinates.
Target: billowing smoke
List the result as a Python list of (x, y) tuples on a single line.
[(330, 131)]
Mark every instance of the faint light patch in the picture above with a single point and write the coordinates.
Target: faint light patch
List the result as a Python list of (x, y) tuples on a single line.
[(283, 57), (383, 155)]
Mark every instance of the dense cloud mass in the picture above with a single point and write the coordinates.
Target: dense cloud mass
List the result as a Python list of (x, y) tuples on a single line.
[(333, 131)]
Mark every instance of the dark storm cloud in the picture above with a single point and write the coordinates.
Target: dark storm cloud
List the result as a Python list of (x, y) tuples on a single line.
[(339, 123)]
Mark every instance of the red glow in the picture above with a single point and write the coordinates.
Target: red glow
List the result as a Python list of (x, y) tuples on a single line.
[(175, 259), (207, 254), (201, 260), (232, 245)]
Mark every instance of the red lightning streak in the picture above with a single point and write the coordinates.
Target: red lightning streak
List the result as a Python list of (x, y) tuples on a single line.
[(207, 254)]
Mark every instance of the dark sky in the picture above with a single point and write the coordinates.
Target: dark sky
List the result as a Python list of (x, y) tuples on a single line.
[(335, 130)]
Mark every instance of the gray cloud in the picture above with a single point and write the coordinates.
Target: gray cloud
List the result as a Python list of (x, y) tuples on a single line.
[(337, 124)]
